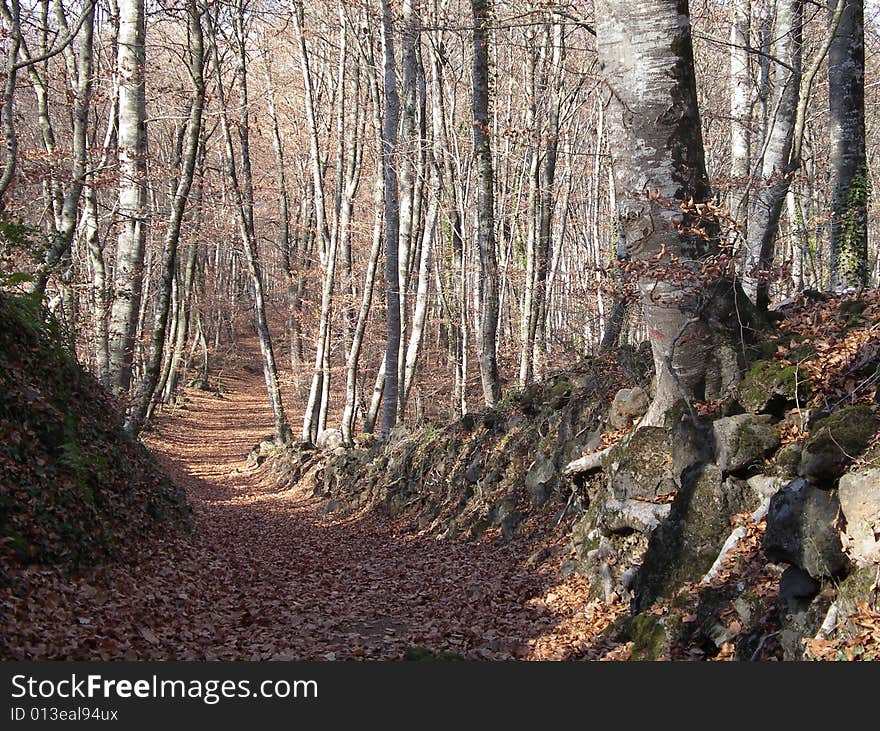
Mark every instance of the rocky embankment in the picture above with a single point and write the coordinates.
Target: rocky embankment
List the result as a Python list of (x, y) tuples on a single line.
[(745, 527)]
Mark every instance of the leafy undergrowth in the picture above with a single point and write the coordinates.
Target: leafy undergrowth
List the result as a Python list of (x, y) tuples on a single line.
[(72, 489), (860, 642), (836, 342)]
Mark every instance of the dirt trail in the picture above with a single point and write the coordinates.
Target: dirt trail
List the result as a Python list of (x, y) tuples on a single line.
[(266, 574)]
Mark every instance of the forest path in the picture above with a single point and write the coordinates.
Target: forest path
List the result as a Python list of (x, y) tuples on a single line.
[(266, 574)]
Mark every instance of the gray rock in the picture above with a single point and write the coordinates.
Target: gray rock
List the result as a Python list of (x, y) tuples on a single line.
[(834, 441), (618, 516), (510, 524), (801, 530), (800, 623), (500, 510), (743, 440), (766, 486), (788, 460), (329, 439), (769, 387), (628, 405), (859, 494), (641, 465), (862, 585), (797, 588), (540, 480), (474, 472)]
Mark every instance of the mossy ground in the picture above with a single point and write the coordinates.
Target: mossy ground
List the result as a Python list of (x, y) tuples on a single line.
[(73, 488)]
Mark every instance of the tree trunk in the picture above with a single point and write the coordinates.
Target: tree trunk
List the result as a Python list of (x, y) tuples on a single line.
[(777, 166), (392, 226), (740, 111), (481, 10), (357, 336), (244, 210), (646, 53), (8, 110), (849, 167), (328, 243), (147, 387), (132, 136)]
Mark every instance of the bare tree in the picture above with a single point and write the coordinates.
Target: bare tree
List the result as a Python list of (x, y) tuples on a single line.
[(147, 387), (132, 141), (243, 193), (487, 341), (849, 167), (392, 225), (646, 56), (740, 110)]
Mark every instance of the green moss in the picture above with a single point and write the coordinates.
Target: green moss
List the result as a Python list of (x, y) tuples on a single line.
[(560, 392), (649, 637), (788, 458), (768, 380), (849, 429), (77, 488), (835, 440)]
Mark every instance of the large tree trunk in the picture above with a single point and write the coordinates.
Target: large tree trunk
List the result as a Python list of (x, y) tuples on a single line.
[(132, 135), (849, 168), (646, 54), (487, 341)]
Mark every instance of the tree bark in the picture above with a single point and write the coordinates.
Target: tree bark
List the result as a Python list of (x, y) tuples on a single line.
[(482, 11), (646, 57), (740, 111), (777, 165), (849, 166), (392, 226), (132, 136), (243, 193)]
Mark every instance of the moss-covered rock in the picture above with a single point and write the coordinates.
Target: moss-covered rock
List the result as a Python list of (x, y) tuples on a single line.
[(743, 440), (861, 585), (769, 387), (540, 479), (561, 389), (686, 545), (802, 531), (651, 637), (641, 465), (788, 459), (834, 441)]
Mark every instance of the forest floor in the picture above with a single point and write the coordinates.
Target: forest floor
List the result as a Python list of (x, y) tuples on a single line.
[(267, 574)]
